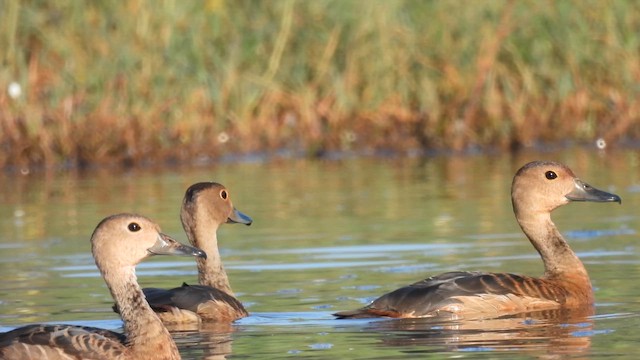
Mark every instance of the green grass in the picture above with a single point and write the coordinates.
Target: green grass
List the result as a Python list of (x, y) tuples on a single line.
[(148, 81)]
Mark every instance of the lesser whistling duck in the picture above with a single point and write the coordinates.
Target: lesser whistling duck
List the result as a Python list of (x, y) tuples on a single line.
[(537, 189), (118, 243), (205, 206)]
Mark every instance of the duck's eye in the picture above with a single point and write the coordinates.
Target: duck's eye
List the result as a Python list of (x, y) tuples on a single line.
[(223, 194), (550, 175), (134, 227)]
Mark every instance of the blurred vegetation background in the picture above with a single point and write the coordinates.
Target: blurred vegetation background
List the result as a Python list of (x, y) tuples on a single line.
[(145, 81)]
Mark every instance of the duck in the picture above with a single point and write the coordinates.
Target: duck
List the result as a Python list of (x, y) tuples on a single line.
[(537, 189), (205, 206), (118, 244)]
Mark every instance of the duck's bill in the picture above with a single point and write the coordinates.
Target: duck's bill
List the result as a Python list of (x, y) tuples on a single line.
[(165, 245), (239, 218), (585, 192)]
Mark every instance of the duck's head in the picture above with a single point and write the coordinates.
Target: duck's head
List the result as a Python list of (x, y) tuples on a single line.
[(127, 239), (210, 202), (542, 186)]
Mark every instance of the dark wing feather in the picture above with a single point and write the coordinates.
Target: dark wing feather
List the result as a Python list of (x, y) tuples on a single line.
[(427, 296), (189, 297), (79, 341)]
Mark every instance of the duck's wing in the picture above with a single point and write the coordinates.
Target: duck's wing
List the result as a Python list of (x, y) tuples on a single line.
[(61, 342), (463, 292), (208, 303)]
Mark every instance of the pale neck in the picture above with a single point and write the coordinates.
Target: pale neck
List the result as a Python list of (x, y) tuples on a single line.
[(146, 335), (557, 256), (210, 270)]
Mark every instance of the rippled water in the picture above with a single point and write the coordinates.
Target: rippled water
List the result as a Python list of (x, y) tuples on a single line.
[(329, 236)]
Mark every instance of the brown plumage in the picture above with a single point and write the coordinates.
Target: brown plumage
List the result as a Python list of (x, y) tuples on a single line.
[(538, 188), (205, 206), (118, 243)]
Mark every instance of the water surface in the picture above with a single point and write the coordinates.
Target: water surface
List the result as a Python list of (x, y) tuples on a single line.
[(329, 236)]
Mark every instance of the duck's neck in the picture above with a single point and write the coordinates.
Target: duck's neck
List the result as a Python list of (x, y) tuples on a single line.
[(210, 270), (147, 338), (556, 254)]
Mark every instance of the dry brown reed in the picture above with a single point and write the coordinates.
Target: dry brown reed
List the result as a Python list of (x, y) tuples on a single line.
[(146, 82)]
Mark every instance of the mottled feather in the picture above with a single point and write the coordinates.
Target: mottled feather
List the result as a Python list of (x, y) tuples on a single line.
[(74, 341)]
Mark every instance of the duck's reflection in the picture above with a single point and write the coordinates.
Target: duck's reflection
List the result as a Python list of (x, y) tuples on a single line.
[(547, 334), (554, 332), (209, 341)]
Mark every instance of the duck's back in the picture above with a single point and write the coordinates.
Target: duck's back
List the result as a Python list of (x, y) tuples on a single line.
[(464, 293), (184, 303), (61, 342)]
